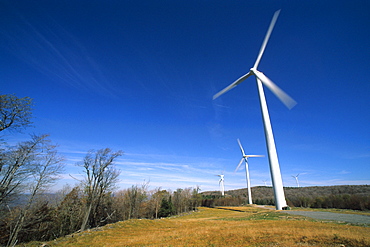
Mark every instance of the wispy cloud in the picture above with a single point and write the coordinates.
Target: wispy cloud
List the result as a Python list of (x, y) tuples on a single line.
[(331, 182), (170, 171), (55, 52), (165, 171), (344, 172)]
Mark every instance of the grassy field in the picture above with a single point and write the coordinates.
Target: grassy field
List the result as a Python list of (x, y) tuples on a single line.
[(227, 226)]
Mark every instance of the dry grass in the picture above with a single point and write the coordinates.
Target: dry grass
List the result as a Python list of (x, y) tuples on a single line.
[(232, 226)]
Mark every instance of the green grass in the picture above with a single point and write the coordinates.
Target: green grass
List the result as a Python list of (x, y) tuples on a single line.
[(333, 210)]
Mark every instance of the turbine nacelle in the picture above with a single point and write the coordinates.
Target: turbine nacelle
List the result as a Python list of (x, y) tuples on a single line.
[(221, 177)]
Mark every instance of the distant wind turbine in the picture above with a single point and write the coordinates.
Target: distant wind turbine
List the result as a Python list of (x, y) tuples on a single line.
[(264, 181), (221, 183), (245, 158), (277, 181), (296, 179)]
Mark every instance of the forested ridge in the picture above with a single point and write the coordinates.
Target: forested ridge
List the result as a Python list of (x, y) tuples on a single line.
[(355, 197)]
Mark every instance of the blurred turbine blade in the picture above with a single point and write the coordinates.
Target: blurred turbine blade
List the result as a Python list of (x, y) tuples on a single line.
[(240, 163), (254, 155), (241, 147), (285, 98), (232, 85), (271, 27)]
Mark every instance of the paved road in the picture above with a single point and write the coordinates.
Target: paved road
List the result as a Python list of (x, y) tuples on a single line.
[(351, 218)]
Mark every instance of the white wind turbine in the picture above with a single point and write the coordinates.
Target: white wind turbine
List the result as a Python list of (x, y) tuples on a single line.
[(296, 179), (277, 182), (221, 183), (245, 158)]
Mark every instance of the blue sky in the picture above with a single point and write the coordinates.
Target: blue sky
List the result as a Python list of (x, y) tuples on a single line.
[(139, 76)]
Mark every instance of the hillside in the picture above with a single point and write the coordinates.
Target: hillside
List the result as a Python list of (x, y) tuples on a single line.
[(339, 196), (226, 226)]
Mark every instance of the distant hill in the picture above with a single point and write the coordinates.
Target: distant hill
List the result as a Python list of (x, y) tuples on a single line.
[(339, 196), (22, 199)]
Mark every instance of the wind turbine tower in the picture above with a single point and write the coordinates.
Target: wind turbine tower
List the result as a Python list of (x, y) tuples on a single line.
[(277, 182), (245, 158), (296, 179), (221, 183)]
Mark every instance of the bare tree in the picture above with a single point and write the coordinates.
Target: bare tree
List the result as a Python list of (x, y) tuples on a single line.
[(15, 113), (134, 197), (156, 200), (100, 177), (43, 166), (182, 200), (18, 164), (70, 212), (196, 198)]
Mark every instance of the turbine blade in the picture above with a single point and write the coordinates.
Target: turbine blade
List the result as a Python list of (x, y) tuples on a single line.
[(285, 98), (240, 163), (241, 148), (232, 85), (269, 31), (254, 155)]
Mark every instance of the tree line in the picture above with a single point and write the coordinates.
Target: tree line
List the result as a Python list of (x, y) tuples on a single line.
[(356, 197), (64, 213), (28, 211)]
